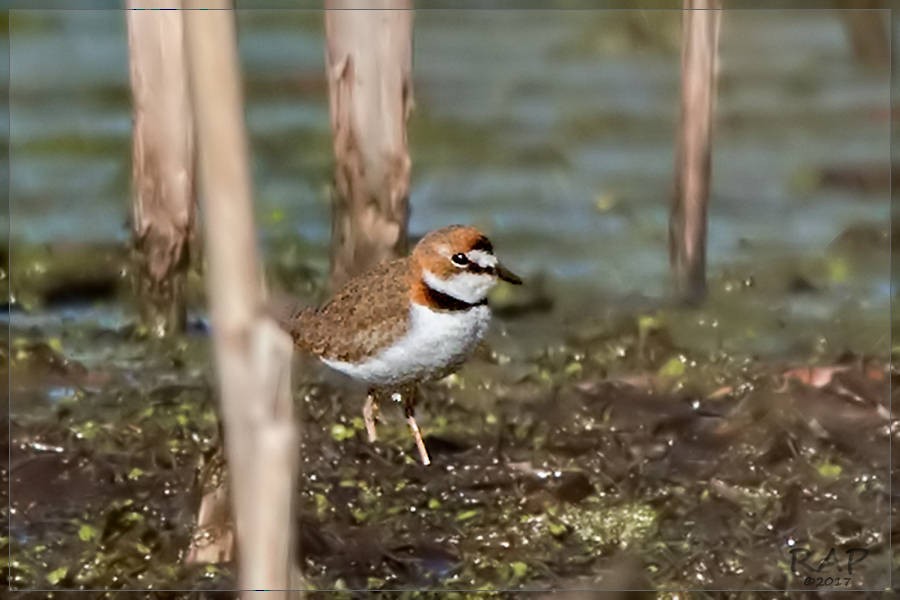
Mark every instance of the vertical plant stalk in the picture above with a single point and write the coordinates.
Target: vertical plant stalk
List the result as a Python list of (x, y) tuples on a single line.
[(252, 353), (368, 67), (687, 221), (163, 203), (867, 23)]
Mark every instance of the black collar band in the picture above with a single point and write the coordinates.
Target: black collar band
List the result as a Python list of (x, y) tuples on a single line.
[(443, 301)]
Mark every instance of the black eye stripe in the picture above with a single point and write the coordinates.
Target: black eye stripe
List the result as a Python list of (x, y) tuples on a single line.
[(464, 262), (473, 267)]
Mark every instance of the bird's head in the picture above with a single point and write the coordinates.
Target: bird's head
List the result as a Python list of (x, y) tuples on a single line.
[(459, 261)]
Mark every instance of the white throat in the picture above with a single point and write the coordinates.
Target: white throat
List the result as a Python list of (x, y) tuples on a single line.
[(468, 287)]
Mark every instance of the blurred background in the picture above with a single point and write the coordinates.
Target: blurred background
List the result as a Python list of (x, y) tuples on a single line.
[(554, 131), (561, 147)]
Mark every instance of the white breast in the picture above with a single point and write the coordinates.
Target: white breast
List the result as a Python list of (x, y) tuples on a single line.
[(433, 346)]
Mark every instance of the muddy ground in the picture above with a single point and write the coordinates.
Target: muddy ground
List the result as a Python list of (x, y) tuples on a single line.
[(602, 448)]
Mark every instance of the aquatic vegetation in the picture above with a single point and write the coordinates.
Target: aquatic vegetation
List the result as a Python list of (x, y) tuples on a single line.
[(629, 448)]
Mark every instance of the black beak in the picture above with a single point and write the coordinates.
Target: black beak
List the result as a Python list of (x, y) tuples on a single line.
[(507, 275)]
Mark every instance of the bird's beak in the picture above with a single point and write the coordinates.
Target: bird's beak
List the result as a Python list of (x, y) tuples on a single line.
[(507, 275)]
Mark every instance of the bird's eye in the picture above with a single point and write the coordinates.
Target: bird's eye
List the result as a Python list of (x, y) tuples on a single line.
[(460, 259)]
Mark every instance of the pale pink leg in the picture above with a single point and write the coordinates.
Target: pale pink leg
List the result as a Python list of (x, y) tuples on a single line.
[(411, 419), (370, 415), (420, 443)]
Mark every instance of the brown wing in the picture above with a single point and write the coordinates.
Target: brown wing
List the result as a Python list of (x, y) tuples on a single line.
[(362, 318)]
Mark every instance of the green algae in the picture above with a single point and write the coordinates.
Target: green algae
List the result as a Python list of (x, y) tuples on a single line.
[(599, 526)]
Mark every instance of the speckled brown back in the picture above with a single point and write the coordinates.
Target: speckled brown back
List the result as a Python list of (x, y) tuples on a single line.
[(363, 317)]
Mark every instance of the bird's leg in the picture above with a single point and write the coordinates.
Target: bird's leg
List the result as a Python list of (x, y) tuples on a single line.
[(370, 415), (409, 409)]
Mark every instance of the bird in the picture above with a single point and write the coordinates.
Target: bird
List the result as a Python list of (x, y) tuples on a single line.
[(407, 320)]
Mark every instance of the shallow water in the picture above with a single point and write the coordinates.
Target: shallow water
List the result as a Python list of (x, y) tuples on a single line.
[(589, 448), (524, 145)]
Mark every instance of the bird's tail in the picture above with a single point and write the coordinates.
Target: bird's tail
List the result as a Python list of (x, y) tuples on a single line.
[(290, 314)]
